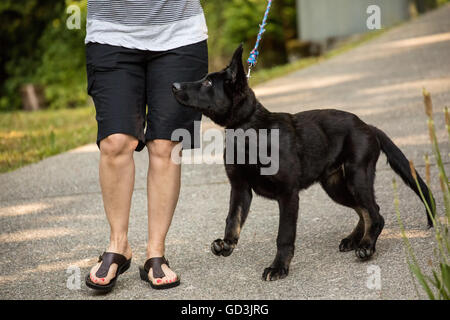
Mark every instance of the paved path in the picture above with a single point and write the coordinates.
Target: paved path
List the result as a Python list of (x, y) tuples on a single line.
[(51, 214)]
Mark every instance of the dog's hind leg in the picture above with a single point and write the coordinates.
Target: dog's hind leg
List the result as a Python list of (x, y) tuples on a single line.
[(352, 241), (240, 200), (335, 186), (287, 229), (360, 182)]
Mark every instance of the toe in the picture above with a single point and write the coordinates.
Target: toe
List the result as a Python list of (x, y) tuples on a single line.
[(169, 277), (217, 247), (92, 273), (103, 280), (346, 245), (364, 253)]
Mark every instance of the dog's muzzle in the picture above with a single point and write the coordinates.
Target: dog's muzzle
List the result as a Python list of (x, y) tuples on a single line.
[(176, 87)]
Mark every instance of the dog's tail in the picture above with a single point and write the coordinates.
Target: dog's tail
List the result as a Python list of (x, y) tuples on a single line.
[(398, 162)]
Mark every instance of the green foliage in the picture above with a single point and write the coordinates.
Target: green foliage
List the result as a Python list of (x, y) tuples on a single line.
[(23, 23), (42, 51), (62, 67), (426, 5), (231, 22), (436, 285)]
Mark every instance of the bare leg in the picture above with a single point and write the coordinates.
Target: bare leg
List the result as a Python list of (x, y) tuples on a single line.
[(163, 185), (117, 182)]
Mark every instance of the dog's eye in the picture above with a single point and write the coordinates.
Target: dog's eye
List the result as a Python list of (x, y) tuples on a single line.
[(207, 83)]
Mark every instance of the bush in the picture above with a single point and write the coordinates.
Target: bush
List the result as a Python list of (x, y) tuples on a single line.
[(62, 70), (23, 23), (231, 22), (41, 51)]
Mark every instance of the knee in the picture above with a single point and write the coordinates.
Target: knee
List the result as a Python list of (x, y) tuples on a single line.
[(161, 149), (118, 144)]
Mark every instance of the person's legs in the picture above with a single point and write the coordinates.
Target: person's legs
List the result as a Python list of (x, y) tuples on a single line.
[(165, 116), (117, 82), (117, 173), (163, 189)]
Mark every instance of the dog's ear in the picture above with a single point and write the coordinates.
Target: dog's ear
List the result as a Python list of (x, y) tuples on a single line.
[(236, 68)]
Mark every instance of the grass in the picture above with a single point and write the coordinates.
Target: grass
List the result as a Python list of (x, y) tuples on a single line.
[(28, 137), (437, 286), (260, 76)]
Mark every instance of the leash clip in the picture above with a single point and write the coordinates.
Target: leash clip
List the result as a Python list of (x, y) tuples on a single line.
[(249, 71)]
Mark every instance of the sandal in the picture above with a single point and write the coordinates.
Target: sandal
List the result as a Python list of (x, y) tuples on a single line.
[(107, 259), (155, 264)]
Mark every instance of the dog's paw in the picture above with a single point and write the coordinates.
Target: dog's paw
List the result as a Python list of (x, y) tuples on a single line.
[(364, 252), (347, 245), (272, 274), (222, 248)]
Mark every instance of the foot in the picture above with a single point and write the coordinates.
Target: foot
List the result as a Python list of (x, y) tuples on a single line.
[(365, 250), (169, 277), (348, 244), (222, 247), (123, 249), (273, 273)]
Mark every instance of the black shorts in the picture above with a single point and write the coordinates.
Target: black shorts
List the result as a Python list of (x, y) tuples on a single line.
[(123, 82)]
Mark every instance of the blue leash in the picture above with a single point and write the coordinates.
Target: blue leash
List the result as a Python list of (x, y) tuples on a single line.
[(254, 53)]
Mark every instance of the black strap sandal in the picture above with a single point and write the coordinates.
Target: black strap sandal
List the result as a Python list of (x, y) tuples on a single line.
[(107, 259), (155, 264)]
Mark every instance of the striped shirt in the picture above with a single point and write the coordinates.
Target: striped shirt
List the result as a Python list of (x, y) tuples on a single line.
[(155, 25)]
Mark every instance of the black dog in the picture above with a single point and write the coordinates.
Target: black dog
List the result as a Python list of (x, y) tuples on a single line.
[(332, 147)]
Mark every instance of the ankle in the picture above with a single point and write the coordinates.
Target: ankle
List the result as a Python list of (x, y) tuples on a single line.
[(119, 244), (155, 251)]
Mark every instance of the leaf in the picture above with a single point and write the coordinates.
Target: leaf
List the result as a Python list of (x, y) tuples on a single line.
[(445, 271), (420, 277), (439, 286)]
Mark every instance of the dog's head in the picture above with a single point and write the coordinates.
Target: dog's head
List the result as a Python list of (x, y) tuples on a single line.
[(221, 96)]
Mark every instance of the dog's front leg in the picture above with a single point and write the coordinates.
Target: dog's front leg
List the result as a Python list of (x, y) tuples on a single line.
[(287, 229), (240, 200)]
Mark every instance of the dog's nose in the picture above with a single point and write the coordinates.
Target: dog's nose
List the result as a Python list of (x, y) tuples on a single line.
[(176, 86)]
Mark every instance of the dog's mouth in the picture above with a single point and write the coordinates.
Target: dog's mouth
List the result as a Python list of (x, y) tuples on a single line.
[(180, 94), (183, 99)]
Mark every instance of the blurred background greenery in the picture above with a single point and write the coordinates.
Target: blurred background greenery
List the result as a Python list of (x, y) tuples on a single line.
[(39, 49)]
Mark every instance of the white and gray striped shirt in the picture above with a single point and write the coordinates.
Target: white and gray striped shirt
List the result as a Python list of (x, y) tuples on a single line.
[(155, 25)]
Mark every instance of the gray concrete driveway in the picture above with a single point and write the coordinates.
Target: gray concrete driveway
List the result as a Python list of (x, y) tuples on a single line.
[(52, 220)]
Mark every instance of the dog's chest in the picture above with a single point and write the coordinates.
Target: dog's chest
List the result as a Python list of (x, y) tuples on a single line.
[(266, 188), (269, 186)]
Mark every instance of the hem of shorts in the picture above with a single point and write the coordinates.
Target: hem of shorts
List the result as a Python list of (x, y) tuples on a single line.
[(168, 46), (139, 147), (169, 138)]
